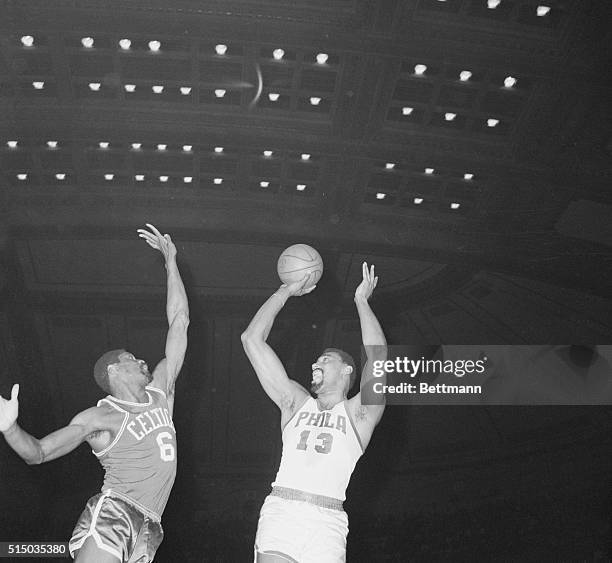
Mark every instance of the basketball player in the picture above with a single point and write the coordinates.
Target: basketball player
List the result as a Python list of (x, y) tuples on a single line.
[(130, 432), (303, 518)]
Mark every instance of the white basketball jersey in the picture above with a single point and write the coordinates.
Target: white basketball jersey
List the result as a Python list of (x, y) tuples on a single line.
[(320, 450)]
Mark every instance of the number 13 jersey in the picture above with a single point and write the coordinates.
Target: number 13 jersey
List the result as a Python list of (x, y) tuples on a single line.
[(140, 462), (320, 450)]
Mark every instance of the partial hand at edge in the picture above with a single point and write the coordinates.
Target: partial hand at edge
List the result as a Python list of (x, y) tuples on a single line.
[(9, 409)]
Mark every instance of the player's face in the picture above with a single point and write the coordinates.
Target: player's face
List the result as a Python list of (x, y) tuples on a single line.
[(326, 371), (133, 368)]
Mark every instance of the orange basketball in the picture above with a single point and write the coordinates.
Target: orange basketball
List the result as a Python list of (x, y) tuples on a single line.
[(298, 261)]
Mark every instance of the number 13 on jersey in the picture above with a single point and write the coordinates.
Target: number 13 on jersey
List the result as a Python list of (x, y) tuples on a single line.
[(323, 442)]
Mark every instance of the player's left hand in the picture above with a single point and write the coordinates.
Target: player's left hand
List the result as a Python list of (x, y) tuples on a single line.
[(160, 242), (9, 409), (366, 287)]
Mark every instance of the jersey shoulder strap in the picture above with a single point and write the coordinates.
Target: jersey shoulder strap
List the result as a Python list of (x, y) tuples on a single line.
[(109, 401), (156, 390), (126, 415), (347, 410)]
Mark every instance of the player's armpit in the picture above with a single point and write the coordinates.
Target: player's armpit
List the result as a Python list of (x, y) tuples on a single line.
[(287, 402), (361, 413), (293, 399), (366, 413), (161, 379), (364, 417)]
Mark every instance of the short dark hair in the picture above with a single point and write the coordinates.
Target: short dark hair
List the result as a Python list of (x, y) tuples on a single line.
[(101, 368), (349, 361)]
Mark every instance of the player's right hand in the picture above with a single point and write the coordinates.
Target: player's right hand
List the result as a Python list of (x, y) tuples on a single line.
[(160, 242), (9, 409), (300, 287)]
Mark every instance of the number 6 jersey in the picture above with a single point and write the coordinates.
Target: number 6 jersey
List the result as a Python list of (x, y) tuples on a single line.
[(140, 462), (320, 450)]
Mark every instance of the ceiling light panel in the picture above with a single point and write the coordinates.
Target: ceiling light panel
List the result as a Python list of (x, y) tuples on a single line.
[(220, 50), (542, 10), (277, 54)]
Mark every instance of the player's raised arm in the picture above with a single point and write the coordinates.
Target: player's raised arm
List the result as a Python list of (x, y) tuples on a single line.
[(34, 451), (177, 310), (374, 342), (268, 367)]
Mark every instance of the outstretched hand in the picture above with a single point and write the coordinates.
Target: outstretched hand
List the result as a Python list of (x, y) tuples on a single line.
[(366, 287), (160, 242), (9, 409), (300, 287)]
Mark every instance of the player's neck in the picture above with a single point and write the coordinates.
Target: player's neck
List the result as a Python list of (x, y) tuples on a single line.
[(329, 400), (130, 394)]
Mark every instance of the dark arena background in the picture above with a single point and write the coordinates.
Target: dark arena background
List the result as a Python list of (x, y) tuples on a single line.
[(462, 146)]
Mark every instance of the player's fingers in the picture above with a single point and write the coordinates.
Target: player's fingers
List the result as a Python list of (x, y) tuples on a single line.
[(146, 235), (305, 280), (151, 242), (152, 227), (364, 270), (14, 391), (372, 271), (375, 281)]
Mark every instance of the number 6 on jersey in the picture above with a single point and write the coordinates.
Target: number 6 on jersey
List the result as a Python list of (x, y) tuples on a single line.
[(166, 451)]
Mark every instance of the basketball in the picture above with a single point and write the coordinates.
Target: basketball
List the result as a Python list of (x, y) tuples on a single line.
[(298, 261)]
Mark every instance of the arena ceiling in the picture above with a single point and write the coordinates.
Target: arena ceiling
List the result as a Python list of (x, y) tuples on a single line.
[(446, 132)]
